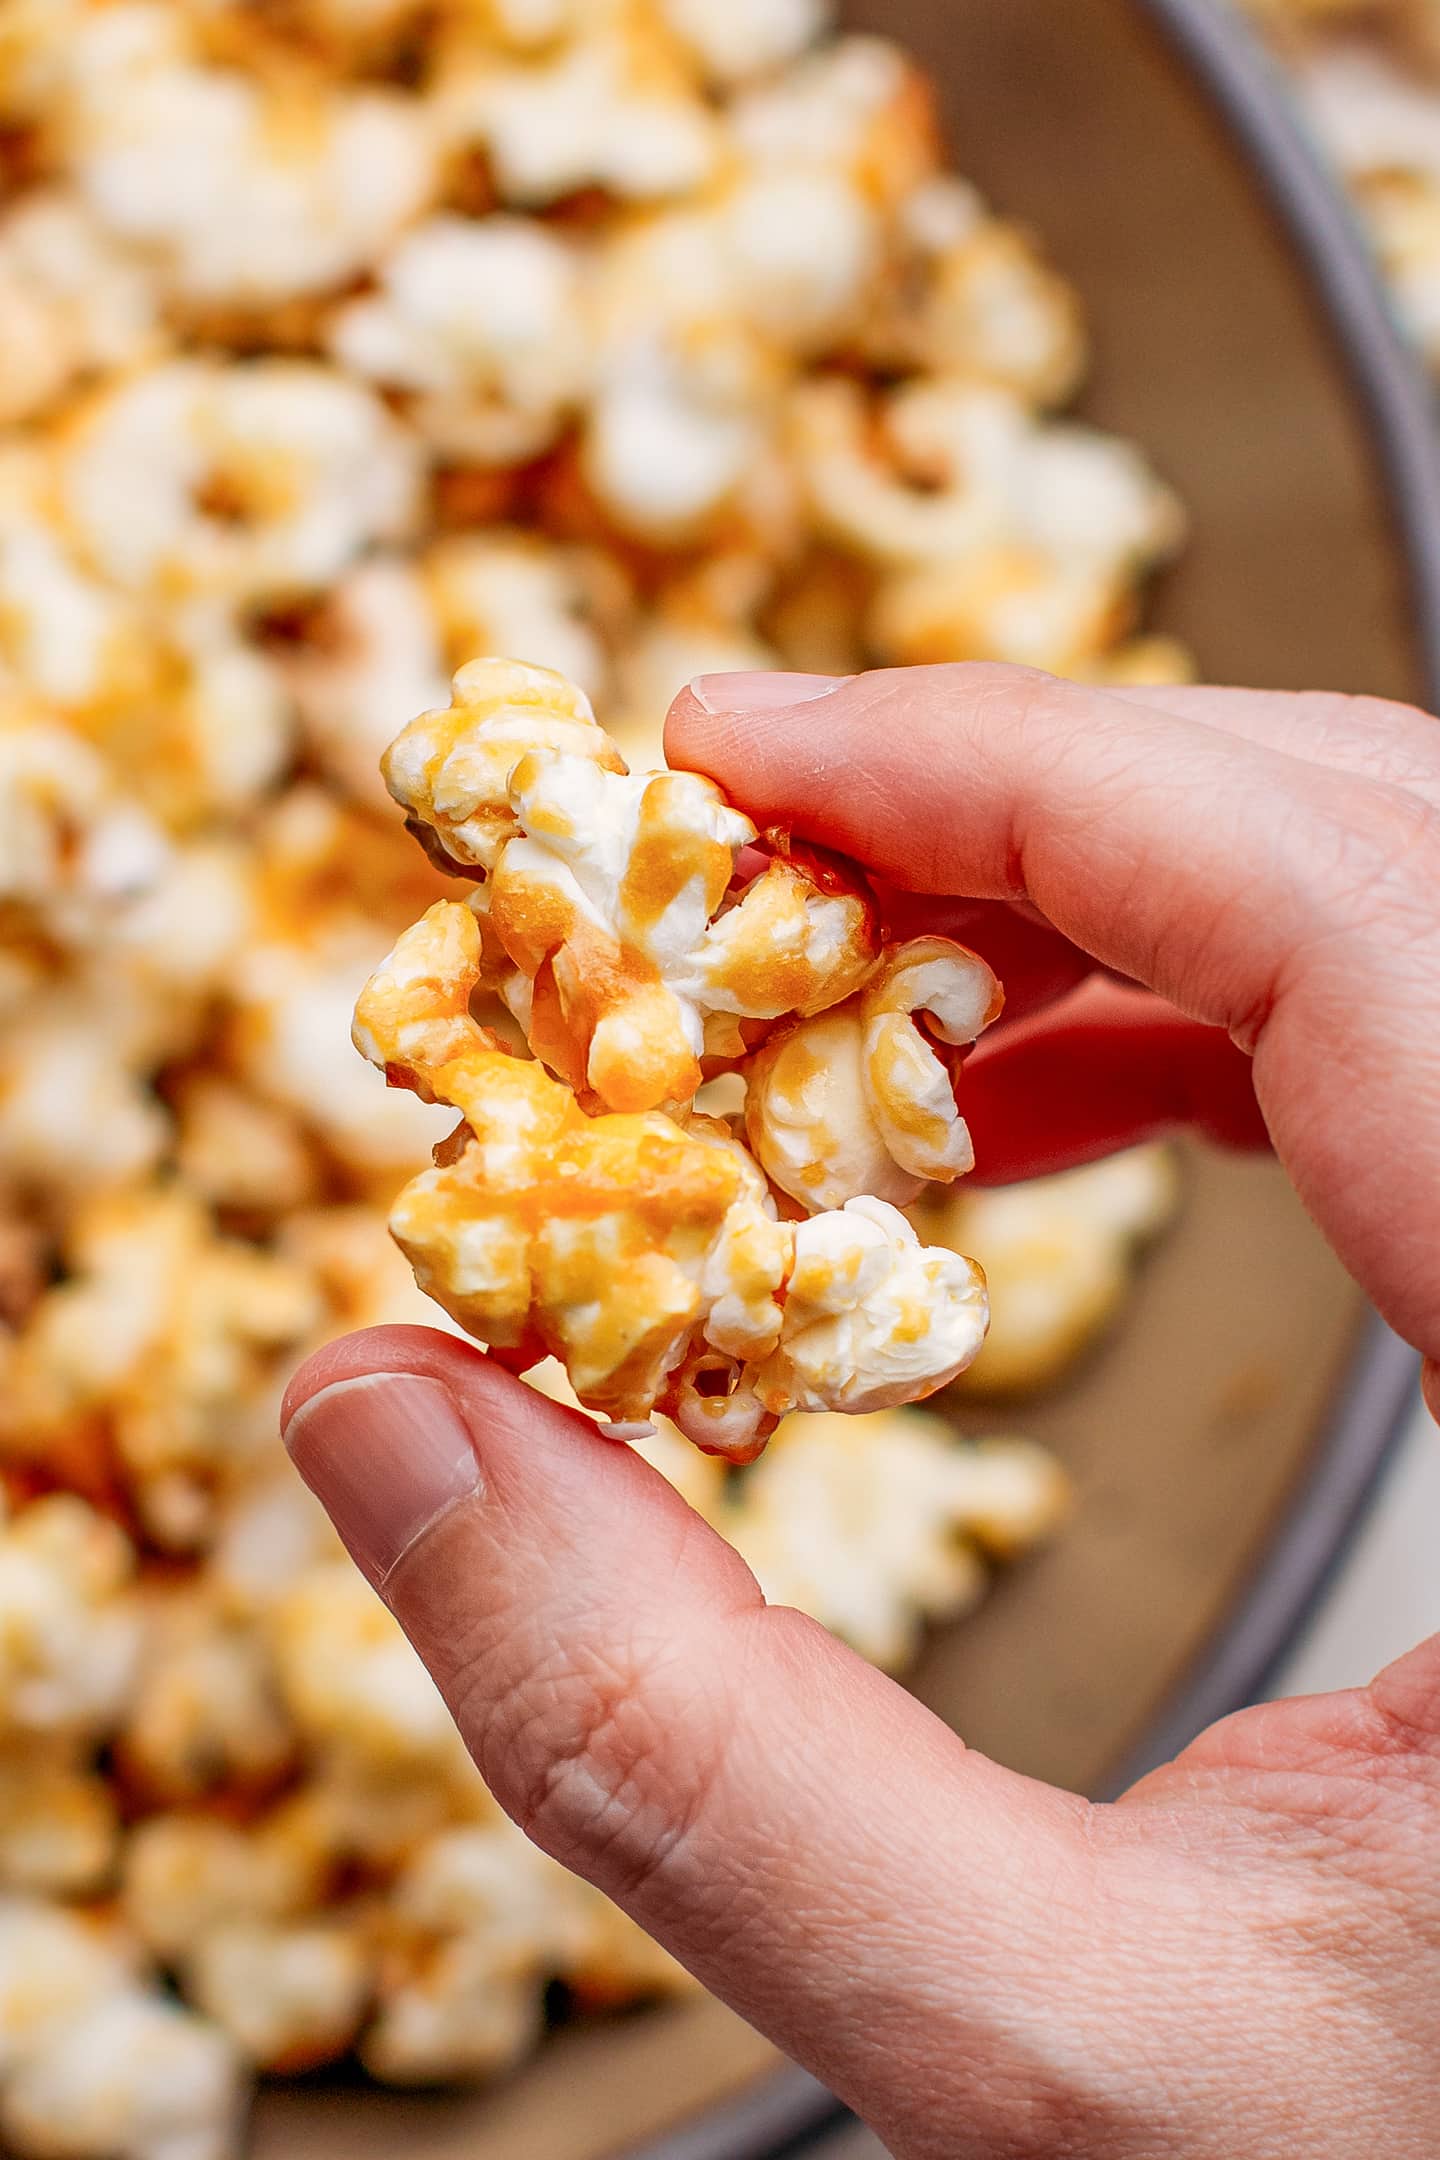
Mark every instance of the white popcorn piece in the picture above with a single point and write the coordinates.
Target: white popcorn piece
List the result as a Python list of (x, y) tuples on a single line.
[(149, 1366), (72, 302), (73, 848), (479, 322), (69, 1624), (75, 1114), (249, 481), (861, 1099), (1060, 1254), (273, 1530), (477, 1921), (453, 2018), (370, 651), (735, 39), (132, 2076), (967, 294), (247, 194), (54, 1966), (874, 1525), (512, 591), (1003, 536), (59, 1824), (240, 1153), (349, 1678), (329, 886), (188, 1875), (290, 1996), (854, 104), (206, 1713), (613, 108)]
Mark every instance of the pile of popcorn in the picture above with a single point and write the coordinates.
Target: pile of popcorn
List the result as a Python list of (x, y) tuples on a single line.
[(1368, 72), (345, 339)]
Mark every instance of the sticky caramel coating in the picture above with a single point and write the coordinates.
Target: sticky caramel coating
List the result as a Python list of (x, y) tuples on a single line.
[(613, 928), (862, 1099), (643, 1252)]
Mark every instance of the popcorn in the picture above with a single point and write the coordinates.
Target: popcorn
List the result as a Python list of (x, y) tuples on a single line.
[(239, 1153), (477, 1919), (1382, 125), (479, 322), (188, 1876), (613, 109), (874, 1524), (641, 1249), (734, 39), (859, 1099), (511, 591), (59, 1827), (329, 887), (971, 296), (602, 889), (289, 1996), (856, 104), (206, 1713), (72, 847), (248, 481), (69, 1624), (192, 715), (351, 1681), (146, 1371), (76, 1116), (54, 1966), (245, 192), (131, 2076), (72, 303), (346, 339), (610, 1242), (1059, 1253), (1003, 537)]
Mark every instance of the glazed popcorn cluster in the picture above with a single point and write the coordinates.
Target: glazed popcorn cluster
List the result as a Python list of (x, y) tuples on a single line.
[(1369, 76), (345, 339), (641, 1244)]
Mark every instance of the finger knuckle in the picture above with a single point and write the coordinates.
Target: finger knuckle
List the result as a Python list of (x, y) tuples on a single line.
[(582, 1747)]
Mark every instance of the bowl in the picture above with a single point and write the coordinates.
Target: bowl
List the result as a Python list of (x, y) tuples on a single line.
[(1224, 1441)]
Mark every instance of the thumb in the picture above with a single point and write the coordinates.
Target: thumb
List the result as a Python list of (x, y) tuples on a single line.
[(814, 1845)]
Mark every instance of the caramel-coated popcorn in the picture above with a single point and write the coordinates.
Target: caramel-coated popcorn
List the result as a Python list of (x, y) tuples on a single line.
[(641, 1248)]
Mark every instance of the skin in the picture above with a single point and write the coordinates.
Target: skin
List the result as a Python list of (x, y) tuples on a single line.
[(1241, 1959)]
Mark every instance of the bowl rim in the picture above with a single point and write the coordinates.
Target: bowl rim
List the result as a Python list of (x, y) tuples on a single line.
[(778, 2118)]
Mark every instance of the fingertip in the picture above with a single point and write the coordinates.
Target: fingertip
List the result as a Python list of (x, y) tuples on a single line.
[(725, 725), (1430, 1383), (427, 1352)]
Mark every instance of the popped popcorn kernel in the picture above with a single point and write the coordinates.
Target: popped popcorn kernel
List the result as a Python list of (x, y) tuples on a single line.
[(643, 1248)]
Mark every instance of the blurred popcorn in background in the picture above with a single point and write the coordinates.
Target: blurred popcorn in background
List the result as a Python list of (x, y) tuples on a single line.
[(1368, 74), (346, 339)]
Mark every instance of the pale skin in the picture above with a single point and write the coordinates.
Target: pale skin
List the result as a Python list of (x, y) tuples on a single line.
[(1241, 1959)]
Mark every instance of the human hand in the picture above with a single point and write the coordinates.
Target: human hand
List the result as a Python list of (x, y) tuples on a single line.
[(1242, 1957)]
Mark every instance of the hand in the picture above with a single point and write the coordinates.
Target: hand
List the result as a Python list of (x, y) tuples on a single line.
[(1242, 1957)]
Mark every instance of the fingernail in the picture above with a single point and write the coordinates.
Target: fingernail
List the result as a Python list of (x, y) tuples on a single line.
[(385, 1455), (760, 691)]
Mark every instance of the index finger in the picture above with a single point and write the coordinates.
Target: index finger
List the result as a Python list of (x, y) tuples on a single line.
[(1290, 902), (1002, 783)]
